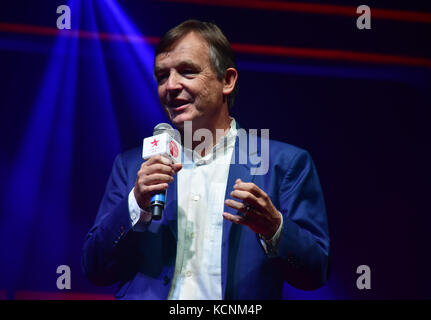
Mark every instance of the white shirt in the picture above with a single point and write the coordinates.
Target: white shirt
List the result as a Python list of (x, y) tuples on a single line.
[(201, 194)]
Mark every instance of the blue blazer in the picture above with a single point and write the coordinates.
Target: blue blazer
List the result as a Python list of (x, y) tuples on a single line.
[(143, 263)]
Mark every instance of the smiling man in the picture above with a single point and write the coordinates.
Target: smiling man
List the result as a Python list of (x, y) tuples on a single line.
[(225, 233), (189, 86)]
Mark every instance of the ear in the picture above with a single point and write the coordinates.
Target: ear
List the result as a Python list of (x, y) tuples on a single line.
[(229, 80)]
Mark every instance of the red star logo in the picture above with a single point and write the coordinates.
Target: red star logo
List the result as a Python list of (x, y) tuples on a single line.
[(154, 143)]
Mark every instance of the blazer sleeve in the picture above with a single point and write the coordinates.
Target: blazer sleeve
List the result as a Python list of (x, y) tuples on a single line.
[(304, 246), (109, 251)]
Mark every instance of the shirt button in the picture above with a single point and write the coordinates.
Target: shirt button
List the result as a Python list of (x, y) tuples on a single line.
[(188, 273), (192, 235), (196, 198), (133, 216)]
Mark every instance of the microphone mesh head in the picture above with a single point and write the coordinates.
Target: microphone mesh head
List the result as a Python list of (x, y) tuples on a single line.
[(161, 127), (164, 127)]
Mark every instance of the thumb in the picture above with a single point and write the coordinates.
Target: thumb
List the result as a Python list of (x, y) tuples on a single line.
[(177, 167)]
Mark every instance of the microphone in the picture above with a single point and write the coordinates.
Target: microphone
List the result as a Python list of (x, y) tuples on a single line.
[(161, 143)]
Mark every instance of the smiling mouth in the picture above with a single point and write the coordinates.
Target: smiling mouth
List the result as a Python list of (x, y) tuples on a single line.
[(177, 106)]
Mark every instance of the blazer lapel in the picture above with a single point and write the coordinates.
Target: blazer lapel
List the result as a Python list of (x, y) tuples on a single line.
[(237, 170), (171, 216)]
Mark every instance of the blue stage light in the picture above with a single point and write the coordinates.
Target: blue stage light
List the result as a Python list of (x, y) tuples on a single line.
[(133, 64), (36, 200)]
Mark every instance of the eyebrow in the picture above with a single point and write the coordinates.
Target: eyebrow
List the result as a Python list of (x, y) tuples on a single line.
[(182, 64)]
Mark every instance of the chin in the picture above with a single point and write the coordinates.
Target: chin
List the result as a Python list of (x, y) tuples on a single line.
[(179, 120)]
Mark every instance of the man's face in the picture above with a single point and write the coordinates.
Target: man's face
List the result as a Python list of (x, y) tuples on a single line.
[(188, 87)]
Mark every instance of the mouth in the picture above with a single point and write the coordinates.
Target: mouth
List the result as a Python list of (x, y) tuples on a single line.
[(179, 105)]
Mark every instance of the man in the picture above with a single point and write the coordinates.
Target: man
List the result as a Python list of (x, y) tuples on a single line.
[(225, 233)]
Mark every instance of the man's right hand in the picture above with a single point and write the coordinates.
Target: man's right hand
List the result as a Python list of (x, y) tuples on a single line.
[(153, 177)]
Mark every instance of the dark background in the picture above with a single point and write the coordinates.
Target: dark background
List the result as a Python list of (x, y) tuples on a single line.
[(69, 104)]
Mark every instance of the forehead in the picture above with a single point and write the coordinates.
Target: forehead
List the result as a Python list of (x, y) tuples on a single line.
[(191, 47)]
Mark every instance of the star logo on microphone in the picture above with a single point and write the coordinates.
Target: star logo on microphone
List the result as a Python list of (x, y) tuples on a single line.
[(154, 143)]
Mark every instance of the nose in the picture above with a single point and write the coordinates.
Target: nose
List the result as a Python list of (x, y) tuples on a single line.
[(173, 84)]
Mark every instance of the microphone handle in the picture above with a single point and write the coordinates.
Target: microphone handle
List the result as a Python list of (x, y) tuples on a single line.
[(158, 205)]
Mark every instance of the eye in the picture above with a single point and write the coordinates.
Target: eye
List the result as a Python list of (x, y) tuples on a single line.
[(161, 77), (188, 72)]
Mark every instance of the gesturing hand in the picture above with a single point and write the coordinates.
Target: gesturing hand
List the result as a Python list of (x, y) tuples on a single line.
[(153, 177), (260, 215)]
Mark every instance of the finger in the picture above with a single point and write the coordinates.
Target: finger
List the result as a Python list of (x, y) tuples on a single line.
[(157, 187), (247, 197), (262, 197), (235, 218), (249, 213), (239, 206), (177, 167), (153, 189), (159, 159), (158, 168), (248, 186), (157, 178)]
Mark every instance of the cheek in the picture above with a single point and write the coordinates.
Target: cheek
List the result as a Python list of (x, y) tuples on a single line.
[(208, 90), (161, 93)]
